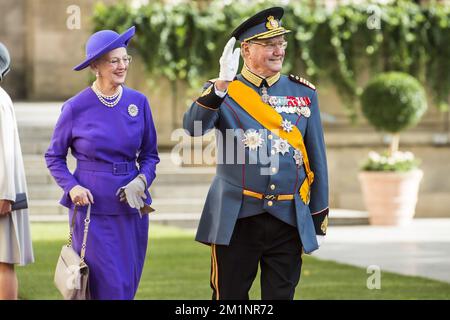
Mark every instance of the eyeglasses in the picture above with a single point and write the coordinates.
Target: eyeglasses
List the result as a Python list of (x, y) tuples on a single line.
[(116, 61), (270, 46)]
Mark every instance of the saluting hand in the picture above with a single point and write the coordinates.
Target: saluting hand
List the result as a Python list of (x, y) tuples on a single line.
[(229, 61), (81, 196)]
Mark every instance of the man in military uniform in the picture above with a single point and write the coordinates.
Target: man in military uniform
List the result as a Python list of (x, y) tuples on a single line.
[(257, 211)]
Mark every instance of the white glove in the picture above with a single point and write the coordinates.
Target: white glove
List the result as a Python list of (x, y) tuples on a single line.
[(133, 193), (320, 239), (229, 61)]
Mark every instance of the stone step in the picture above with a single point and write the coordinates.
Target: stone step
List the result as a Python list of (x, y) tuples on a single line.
[(36, 163), (46, 208), (37, 173), (180, 191), (44, 192), (182, 206), (337, 217), (184, 176), (38, 177), (181, 220), (35, 133), (37, 148), (193, 191)]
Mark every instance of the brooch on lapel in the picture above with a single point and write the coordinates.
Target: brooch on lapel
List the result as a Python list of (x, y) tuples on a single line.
[(133, 110), (252, 139)]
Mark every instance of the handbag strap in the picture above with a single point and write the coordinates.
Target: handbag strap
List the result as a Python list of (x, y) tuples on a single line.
[(86, 230)]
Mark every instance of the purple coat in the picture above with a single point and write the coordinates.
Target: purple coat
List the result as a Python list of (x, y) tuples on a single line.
[(103, 136)]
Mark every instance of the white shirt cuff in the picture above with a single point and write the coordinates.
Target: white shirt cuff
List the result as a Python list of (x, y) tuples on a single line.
[(219, 93), (320, 239)]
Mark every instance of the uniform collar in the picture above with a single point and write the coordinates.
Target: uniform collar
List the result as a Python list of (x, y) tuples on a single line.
[(256, 80)]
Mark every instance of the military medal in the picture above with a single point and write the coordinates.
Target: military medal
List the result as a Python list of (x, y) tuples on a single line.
[(273, 101), (281, 146), (284, 109), (133, 110), (298, 157), (264, 95), (287, 104), (252, 139), (286, 125), (304, 111)]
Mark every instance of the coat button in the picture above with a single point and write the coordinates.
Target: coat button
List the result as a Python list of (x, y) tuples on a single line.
[(270, 203), (270, 137), (274, 170), (272, 187)]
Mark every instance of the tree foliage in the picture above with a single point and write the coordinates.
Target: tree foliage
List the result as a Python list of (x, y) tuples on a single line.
[(184, 41)]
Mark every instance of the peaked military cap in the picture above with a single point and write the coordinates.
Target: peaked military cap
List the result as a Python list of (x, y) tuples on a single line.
[(263, 25)]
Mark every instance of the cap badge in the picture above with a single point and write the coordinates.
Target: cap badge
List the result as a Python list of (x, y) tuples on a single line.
[(271, 23)]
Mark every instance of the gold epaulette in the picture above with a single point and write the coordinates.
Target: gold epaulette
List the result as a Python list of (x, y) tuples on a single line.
[(302, 81)]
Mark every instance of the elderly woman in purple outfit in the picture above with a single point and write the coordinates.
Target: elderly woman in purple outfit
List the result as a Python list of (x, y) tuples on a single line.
[(110, 131)]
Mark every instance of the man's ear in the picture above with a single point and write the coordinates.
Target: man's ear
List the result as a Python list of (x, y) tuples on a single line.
[(245, 50)]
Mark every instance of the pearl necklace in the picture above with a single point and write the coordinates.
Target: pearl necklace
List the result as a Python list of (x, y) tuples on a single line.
[(103, 98)]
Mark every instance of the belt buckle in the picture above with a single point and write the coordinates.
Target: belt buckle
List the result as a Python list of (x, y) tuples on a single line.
[(120, 168), (270, 197)]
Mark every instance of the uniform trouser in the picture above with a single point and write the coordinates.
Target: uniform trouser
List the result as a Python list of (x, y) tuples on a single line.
[(264, 240)]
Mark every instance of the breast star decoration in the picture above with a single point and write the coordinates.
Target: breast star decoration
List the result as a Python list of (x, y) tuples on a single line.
[(252, 139), (281, 146), (298, 157), (286, 125)]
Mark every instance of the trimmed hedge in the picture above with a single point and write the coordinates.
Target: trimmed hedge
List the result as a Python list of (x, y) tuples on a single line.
[(393, 101)]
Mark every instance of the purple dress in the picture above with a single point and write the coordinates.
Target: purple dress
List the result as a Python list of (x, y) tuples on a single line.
[(112, 146)]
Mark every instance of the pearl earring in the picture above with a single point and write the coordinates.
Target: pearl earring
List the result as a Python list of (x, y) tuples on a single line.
[(97, 74)]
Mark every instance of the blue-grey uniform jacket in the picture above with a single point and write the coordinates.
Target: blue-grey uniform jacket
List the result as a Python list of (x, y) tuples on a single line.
[(256, 160)]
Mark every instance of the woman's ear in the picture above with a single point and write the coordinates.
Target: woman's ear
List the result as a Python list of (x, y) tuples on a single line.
[(94, 68)]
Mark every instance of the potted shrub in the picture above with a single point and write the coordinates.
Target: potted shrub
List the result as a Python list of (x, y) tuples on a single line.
[(392, 102)]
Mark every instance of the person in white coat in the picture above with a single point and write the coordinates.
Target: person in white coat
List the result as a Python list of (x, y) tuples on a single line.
[(15, 239)]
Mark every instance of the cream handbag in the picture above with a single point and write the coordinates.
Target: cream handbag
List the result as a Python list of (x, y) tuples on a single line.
[(72, 272)]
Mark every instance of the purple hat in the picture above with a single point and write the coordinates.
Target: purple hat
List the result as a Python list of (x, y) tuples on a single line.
[(102, 42)]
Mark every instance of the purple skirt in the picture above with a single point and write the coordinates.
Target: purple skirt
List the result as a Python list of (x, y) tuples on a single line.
[(115, 253)]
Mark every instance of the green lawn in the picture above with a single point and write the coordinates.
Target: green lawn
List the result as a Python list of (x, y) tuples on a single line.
[(177, 267)]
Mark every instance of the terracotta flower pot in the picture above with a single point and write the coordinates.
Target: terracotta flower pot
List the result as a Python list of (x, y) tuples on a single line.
[(390, 197)]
